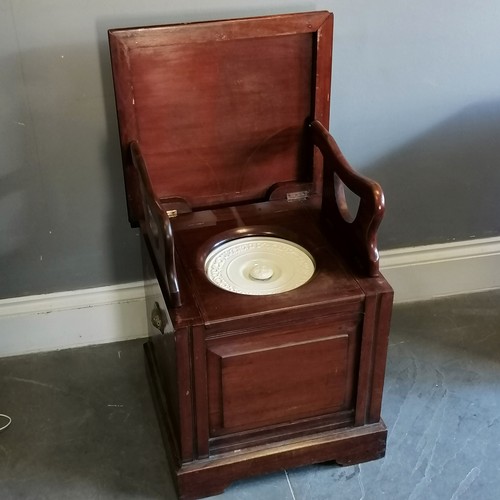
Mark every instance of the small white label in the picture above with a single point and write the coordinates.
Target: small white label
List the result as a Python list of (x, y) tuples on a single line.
[(297, 196)]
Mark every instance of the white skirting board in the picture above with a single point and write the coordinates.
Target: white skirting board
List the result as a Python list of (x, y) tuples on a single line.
[(114, 313), (72, 319), (431, 271)]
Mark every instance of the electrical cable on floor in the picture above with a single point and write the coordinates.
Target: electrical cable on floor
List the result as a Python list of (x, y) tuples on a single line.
[(9, 421)]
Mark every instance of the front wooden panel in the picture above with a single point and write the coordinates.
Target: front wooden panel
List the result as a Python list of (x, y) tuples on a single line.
[(260, 380)]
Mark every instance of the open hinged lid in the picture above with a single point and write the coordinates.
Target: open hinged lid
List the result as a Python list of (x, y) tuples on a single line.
[(219, 108)]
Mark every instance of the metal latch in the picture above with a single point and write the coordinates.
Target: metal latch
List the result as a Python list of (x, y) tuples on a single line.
[(158, 318)]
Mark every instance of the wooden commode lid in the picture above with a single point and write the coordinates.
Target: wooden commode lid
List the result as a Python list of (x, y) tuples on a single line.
[(219, 108)]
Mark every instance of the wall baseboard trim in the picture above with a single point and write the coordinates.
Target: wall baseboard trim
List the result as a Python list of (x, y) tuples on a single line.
[(116, 313), (432, 271), (72, 319)]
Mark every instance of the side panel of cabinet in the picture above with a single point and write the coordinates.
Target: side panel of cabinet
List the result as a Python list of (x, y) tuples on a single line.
[(168, 359)]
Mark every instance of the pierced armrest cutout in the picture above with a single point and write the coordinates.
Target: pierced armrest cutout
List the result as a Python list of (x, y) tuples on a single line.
[(357, 236), (155, 224)]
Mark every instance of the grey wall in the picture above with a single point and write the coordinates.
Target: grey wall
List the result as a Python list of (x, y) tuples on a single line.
[(415, 104)]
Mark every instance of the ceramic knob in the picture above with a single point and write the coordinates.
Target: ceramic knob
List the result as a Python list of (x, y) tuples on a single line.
[(261, 272)]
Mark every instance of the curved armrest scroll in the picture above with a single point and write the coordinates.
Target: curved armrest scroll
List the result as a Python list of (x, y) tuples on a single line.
[(156, 226), (358, 237)]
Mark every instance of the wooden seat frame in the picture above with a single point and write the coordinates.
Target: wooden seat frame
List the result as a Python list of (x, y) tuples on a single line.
[(224, 134)]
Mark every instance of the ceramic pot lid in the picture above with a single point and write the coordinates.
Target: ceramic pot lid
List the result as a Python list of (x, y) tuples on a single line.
[(259, 265)]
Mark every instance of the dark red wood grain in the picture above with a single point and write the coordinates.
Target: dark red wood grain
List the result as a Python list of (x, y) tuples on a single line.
[(224, 134)]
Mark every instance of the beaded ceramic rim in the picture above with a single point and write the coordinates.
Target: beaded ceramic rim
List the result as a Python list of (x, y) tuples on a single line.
[(259, 265)]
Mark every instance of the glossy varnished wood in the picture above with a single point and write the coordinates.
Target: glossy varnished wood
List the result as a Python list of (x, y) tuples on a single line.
[(310, 366), (219, 109), (332, 338), (224, 134), (358, 232)]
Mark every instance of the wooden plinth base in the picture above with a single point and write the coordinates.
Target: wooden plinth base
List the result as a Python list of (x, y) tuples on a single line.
[(213, 475), (210, 476)]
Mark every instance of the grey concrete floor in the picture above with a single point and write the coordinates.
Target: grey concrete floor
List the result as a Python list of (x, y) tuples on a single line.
[(83, 423)]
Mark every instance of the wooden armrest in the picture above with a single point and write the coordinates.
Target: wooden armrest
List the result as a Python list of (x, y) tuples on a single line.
[(358, 236), (155, 225)]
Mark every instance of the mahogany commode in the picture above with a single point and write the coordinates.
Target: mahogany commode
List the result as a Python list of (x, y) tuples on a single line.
[(223, 131)]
